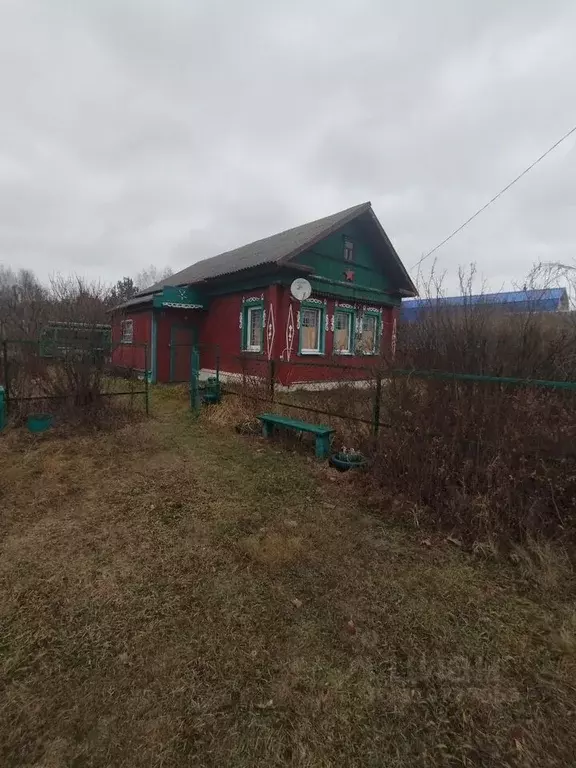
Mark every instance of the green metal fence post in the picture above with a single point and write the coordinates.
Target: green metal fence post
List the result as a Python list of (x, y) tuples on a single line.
[(272, 378), (146, 390), (194, 388), (377, 399)]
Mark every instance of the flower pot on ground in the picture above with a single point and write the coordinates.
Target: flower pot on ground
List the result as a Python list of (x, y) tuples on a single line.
[(344, 461), (39, 422)]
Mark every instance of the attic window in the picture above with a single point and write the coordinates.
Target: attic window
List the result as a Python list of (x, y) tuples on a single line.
[(348, 249)]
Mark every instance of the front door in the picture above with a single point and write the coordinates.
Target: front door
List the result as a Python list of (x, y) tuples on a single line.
[(181, 344)]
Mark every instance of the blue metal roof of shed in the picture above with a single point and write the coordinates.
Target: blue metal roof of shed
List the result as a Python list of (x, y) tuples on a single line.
[(542, 299)]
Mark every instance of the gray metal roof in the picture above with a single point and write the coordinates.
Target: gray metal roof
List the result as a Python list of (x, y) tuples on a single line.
[(140, 298), (278, 249), (270, 250)]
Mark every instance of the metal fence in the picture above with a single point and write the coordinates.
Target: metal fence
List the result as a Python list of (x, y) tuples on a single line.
[(335, 389), (69, 379)]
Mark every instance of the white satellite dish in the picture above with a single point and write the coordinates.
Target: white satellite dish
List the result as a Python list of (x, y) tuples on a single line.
[(301, 289)]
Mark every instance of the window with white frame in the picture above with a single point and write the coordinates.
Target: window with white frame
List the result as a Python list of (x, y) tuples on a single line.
[(368, 342), (343, 336), (310, 331), (254, 328), (127, 330)]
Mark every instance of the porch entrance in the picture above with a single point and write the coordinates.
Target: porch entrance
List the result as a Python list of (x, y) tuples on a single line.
[(181, 347)]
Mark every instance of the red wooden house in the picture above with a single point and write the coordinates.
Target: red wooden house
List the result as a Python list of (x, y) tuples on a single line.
[(237, 306)]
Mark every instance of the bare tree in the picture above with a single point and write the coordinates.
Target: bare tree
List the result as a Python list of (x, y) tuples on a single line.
[(76, 300), (151, 275), (23, 304)]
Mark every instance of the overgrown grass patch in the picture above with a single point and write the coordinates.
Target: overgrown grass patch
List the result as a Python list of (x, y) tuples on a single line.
[(174, 594)]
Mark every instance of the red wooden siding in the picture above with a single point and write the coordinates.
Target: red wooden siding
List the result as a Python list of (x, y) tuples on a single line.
[(125, 355), (295, 368), (218, 332), (221, 329)]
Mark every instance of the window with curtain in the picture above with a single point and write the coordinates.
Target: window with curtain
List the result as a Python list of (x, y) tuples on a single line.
[(369, 335), (310, 330), (343, 333), (254, 317)]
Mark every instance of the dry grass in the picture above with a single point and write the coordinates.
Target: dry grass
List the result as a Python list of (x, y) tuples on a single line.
[(242, 405), (173, 594)]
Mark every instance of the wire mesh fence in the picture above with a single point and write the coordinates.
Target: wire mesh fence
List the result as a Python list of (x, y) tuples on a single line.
[(70, 380), (484, 455), (342, 395), (366, 399)]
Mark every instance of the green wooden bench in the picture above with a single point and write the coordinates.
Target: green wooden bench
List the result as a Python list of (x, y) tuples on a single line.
[(271, 420)]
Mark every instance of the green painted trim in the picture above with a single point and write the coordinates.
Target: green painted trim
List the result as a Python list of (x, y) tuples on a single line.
[(322, 329), (182, 297), (246, 306), (154, 348), (322, 285), (354, 265), (259, 282), (352, 346), (351, 291)]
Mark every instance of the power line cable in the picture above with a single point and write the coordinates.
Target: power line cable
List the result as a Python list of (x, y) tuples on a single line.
[(493, 200)]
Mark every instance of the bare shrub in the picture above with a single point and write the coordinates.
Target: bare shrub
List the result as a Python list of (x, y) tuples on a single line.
[(24, 304), (488, 459), (61, 361)]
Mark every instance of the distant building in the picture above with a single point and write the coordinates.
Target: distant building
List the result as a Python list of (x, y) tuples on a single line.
[(535, 300)]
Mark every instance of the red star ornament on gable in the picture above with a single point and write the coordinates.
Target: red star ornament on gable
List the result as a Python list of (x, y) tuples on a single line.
[(349, 275)]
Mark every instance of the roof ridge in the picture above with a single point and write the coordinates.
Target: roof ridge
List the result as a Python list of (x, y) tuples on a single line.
[(333, 219)]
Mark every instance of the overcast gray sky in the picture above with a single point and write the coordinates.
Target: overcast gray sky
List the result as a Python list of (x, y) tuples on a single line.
[(163, 131)]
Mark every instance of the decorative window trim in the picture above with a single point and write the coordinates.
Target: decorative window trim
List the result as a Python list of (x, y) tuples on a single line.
[(248, 305), (352, 324), (127, 332), (320, 307), (377, 314)]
